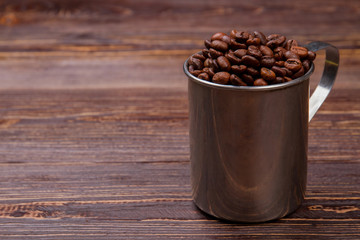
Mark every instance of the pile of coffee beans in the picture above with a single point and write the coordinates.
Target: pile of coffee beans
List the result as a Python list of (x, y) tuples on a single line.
[(245, 58)]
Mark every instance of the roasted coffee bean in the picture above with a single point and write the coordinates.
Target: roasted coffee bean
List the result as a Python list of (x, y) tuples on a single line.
[(311, 56), (279, 80), (214, 53), (288, 73), (291, 54), (235, 80), (221, 77), (248, 79), (221, 36), (267, 74), (219, 45), (253, 41), (306, 65), (238, 69), (215, 66), (207, 63), (290, 43), (250, 61), (298, 73), (252, 71), (300, 51), (242, 36), (279, 63), (260, 82), (199, 56), (240, 53), (254, 51), (275, 40), (241, 57), (223, 63), (196, 72), (196, 63), (266, 51), (206, 52), (287, 79), (233, 59), (278, 71), (293, 64), (209, 71), (235, 45), (261, 36), (207, 43), (267, 61), (204, 76), (279, 53)]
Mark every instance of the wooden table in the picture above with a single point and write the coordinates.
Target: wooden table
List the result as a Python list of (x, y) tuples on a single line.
[(94, 118)]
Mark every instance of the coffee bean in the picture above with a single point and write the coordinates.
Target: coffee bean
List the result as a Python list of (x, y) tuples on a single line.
[(235, 80), (279, 53), (279, 63), (306, 65), (207, 63), (287, 79), (253, 41), (221, 77), (233, 59), (261, 36), (290, 43), (199, 56), (275, 40), (267, 74), (238, 69), (214, 65), (242, 57), (252, 71), (278, 71), (214, 53), (279, 80), (204, 76), (266, 51), (206, 52), (207, 43), (235, 45), (300, 51), (291, 54), (298, 73), (248, 79), (219, 45), (223, 63), (250, 61), (311, 56), (240, 53), (288, 73), (267, 61), (293, 64), (254, 51), (260, 82), (242, 36), (209, 71), (221, 36), (196, 63)]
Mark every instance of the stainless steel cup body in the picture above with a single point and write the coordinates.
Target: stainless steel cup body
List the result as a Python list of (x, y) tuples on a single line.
[(248, 146)]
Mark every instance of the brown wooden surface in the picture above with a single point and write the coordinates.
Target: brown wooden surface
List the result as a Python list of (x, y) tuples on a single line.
[(94, 126)]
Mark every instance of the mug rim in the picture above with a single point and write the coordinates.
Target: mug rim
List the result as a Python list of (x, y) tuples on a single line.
[(247, 88)]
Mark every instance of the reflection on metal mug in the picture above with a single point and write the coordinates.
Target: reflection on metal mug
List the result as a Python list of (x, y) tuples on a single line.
[(248, 145)]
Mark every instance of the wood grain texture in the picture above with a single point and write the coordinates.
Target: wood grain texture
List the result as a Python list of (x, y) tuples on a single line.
[(94, 118)]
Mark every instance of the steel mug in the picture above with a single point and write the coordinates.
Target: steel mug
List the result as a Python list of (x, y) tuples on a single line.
[(248, 145)]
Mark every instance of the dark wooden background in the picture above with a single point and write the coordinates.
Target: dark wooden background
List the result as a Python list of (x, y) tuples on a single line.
[(94, 125)]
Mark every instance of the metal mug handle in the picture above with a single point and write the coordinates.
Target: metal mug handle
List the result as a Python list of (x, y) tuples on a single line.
[(328, 77)]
